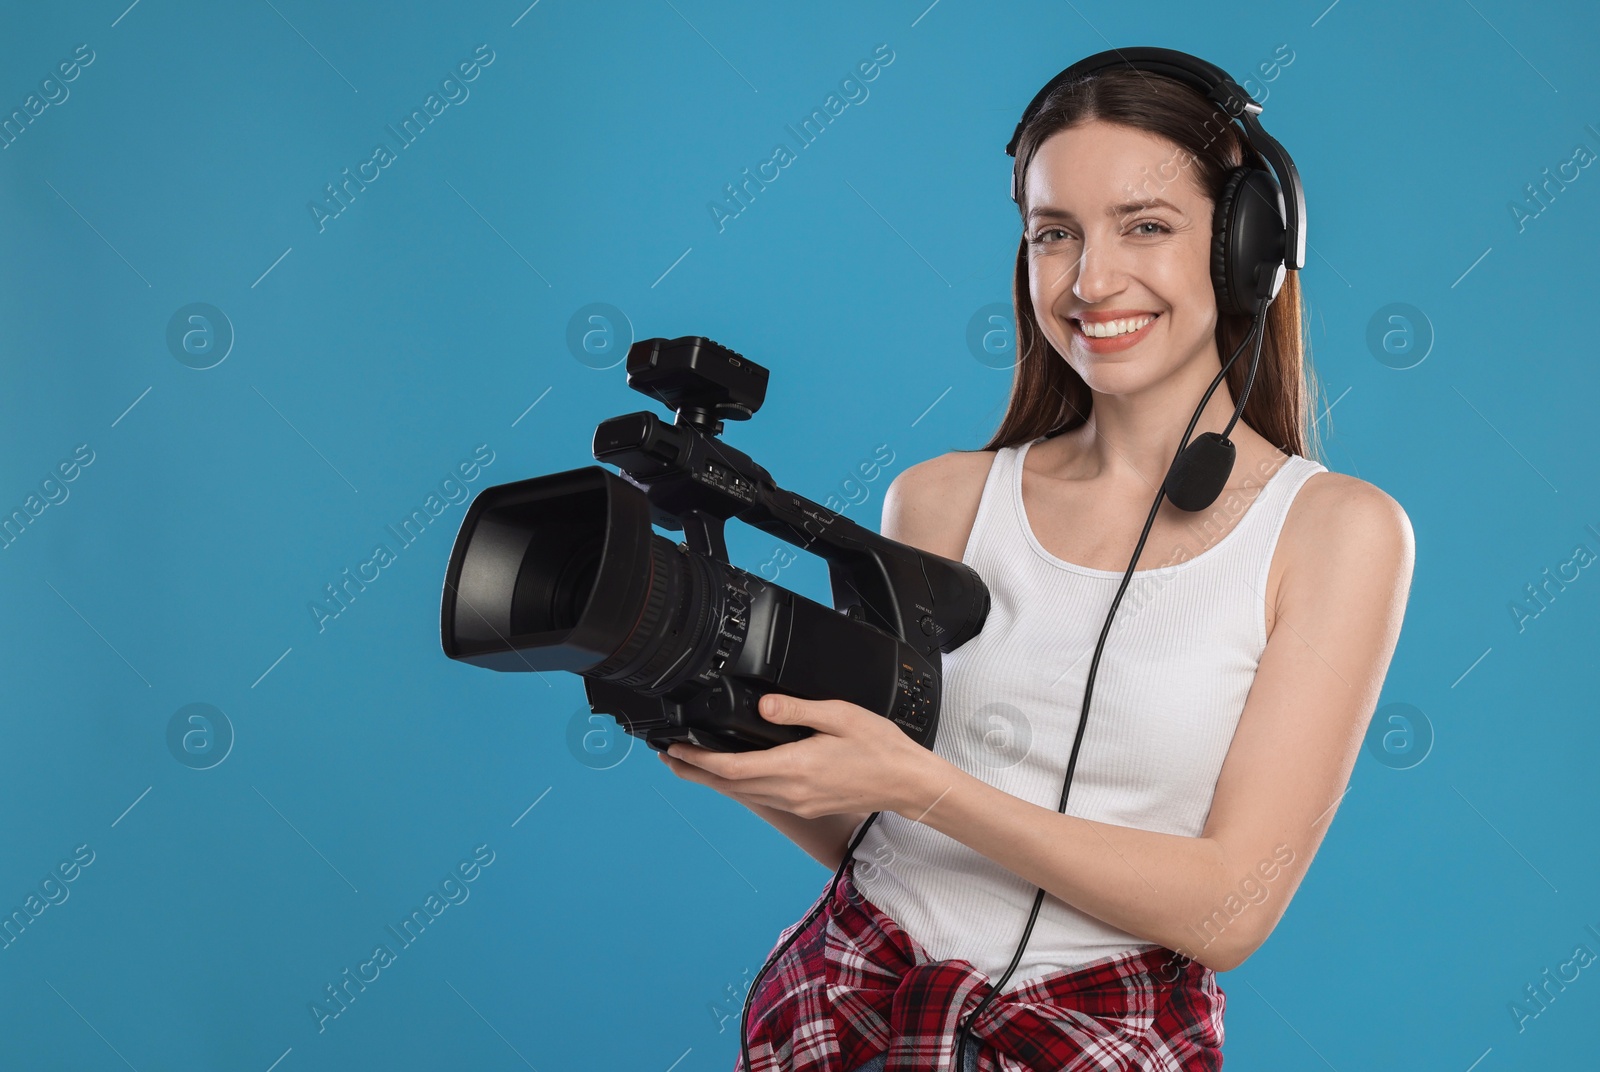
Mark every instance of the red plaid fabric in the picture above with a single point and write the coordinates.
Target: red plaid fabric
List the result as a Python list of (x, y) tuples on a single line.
[(855, 985)]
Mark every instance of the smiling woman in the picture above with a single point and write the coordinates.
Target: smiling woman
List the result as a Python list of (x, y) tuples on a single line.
[(1155, 247)]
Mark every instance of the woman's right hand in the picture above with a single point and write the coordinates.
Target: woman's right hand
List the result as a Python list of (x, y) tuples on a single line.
[(682, 768)]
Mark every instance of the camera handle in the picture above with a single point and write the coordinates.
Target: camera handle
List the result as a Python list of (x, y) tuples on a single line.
[(704, 533)]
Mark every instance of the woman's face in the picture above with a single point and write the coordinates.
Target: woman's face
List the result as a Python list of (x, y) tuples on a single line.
[(1096, 247)]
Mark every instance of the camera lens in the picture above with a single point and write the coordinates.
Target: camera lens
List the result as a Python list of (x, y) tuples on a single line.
[(550, 594), (564, 572)]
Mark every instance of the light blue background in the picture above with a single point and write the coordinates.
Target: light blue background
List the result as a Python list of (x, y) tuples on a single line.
[(627, 907)]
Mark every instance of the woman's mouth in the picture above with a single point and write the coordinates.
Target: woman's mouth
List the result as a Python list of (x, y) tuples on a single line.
[(1110, 336)]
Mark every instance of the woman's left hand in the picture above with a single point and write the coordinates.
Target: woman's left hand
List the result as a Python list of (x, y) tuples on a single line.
[(856, 761)]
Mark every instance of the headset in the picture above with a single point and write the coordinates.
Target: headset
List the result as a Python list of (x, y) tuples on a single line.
[(1258, 234)]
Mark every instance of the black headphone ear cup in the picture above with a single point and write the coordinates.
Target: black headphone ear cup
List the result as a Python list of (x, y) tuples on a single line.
[(1222, 241), (1247, 238)]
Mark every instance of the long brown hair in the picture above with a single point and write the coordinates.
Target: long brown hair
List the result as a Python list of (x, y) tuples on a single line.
[(1048, 396)]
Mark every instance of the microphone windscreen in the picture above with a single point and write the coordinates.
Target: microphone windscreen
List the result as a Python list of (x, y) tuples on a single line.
[(1200, 471)]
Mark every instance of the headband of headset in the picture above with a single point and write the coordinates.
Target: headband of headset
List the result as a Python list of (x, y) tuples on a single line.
[(1223, 91)]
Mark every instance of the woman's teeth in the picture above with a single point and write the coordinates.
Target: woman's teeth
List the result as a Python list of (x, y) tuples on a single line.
[(1112, 328)]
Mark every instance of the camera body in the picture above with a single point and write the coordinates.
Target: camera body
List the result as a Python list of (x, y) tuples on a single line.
[(564, 572)]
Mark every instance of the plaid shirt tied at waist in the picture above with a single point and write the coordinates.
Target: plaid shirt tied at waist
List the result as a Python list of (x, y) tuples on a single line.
[(855, 986)]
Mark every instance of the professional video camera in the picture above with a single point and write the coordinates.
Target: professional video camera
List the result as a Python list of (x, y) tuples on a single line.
[(563, 572)]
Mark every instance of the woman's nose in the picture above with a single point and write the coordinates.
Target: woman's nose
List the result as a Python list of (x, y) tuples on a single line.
[(1098, 271)]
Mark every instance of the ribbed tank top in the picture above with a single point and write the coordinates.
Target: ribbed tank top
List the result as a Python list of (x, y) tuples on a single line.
[(1178, 663)]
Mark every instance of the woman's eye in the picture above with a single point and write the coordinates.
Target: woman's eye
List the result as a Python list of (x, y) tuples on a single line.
[(1044, 236)]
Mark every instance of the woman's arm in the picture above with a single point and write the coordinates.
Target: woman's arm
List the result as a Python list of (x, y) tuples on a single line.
[(824, 839), (1216, 897)]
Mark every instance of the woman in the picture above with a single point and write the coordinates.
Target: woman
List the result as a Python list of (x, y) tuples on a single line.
[(1240, 672)]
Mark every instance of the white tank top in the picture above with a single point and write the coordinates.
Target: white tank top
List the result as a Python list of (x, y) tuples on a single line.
[(1177, 665)]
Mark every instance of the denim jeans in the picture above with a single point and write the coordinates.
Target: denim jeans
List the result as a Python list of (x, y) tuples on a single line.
[(968, 1064)]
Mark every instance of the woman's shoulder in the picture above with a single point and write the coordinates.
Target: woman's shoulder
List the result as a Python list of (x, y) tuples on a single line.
[(933, 504), (1338, 517), (1345, 500)]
